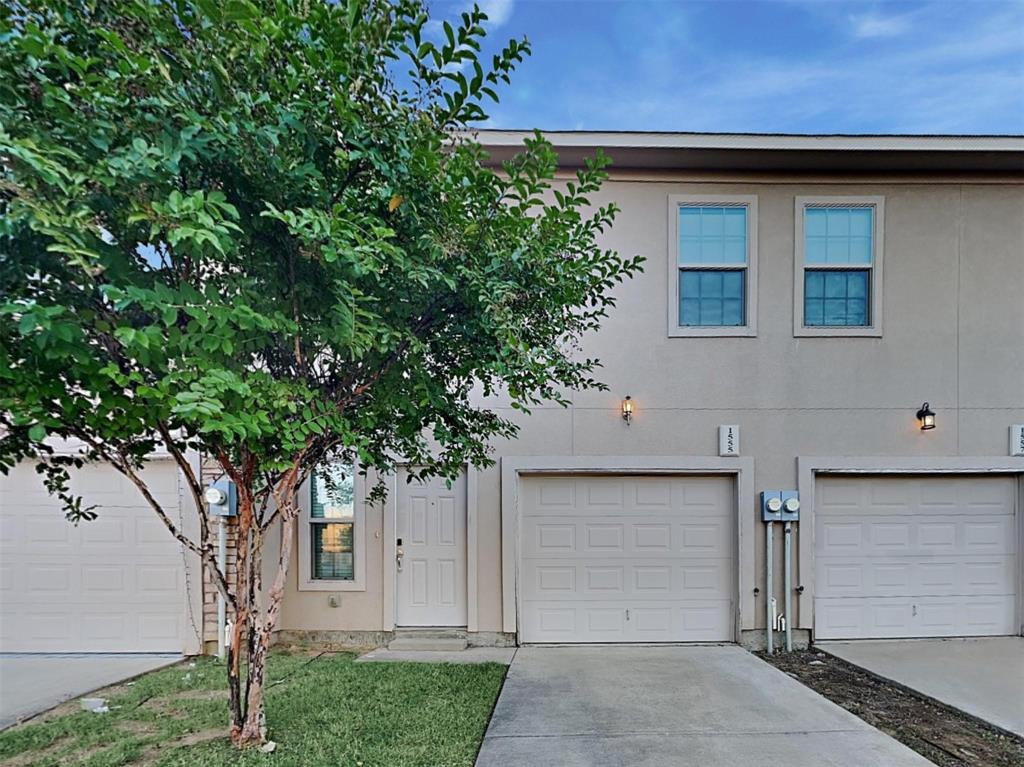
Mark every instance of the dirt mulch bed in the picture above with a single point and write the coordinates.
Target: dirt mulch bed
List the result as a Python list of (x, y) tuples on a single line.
[(940, 733)]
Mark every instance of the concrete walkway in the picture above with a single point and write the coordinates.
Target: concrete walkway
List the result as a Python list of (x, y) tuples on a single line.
[(31, 683), (660, 706), (983, 677), (502, 655)]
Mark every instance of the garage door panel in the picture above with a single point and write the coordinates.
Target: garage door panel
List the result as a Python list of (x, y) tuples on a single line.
[(919, 575), (622, 496), (114, 584), (910, 617), (915, 557), (627, 559), (544, 536), (596, 579), (607, 621), (922, 535), (958, 496)]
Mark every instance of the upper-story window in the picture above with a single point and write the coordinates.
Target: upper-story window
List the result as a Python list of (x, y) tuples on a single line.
[(838, 281), (712, 270)]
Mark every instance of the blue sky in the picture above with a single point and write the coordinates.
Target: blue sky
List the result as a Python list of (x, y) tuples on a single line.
[(781, 66)]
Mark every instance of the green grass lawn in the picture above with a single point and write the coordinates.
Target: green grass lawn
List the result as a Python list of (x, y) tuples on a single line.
[(328, 711)]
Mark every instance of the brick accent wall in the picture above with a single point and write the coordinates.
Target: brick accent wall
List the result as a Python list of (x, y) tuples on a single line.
[(211, 471)]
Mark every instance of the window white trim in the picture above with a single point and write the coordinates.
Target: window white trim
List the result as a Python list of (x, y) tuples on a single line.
[(306, 580), (875, 268), (677, 201)]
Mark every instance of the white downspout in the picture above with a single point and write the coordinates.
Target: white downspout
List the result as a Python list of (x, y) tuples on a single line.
[(788, 584), (222, 556)]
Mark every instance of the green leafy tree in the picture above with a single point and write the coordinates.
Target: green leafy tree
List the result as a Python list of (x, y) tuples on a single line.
[(263, 231)]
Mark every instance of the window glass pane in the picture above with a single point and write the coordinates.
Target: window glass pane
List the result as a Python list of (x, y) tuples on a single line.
[(712, 250), (734, 222), (710, 284), (712, 298), (732, 284), (332, 492), (835, 284), (332, 551), (689, 310), (860, 222), (837, 250), (838, 222), (689, 222), (712, 235), (816, 222), (836, 297), (814, 285), (838, 235), (732, 312), (860, 250), (734, 250), (835, 311), (711, 311), (856, 311), (814, 311)]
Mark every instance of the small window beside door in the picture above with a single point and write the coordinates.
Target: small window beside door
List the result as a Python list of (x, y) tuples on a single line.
[(331, 535), (331, 520)]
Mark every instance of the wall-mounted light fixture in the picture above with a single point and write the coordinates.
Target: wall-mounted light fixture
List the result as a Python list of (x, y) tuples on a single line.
[(627, 409), (926, 417)]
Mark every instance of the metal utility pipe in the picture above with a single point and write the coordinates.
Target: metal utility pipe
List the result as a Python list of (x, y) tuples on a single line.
[(222, 556), (788, 584), (769, 586)]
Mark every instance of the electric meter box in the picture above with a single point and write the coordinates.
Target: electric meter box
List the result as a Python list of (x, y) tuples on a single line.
[(222, 499), (780, 506)]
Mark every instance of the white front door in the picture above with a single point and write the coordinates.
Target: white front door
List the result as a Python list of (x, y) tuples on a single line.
[(431, 534), (900, 557)]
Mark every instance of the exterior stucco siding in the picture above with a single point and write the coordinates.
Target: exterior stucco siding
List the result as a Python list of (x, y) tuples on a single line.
[(953, 335)]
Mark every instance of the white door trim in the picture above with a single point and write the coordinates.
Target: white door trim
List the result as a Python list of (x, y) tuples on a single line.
[(514, 467), (389, 550), (808, 467)]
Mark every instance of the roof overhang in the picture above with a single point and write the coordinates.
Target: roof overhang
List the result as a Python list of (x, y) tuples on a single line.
[(773, 152)]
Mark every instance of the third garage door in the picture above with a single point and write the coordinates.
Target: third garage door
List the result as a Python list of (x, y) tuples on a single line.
[(627, 559), (915, 557)]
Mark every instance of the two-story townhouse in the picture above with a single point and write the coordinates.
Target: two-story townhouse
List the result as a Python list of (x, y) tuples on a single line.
[(803, 298)]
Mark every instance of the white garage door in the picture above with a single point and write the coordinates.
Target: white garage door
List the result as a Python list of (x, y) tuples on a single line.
[(627, 559), (915, 557), (115, 584)]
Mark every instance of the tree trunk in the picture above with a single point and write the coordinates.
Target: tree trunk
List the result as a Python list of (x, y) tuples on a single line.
[(254, 728), (248, 721), (234, 659), (242, 620)]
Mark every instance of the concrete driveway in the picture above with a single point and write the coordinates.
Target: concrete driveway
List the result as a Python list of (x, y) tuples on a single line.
[(982, 677), (659, 706), (31, 683)]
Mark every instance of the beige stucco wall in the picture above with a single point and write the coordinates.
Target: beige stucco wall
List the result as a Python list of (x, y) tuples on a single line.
[(953, 335)]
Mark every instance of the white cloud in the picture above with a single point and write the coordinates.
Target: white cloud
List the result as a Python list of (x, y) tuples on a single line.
[(498, 11), (869, 26)]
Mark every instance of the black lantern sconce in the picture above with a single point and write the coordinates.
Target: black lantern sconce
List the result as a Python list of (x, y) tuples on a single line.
[(926, 417)]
